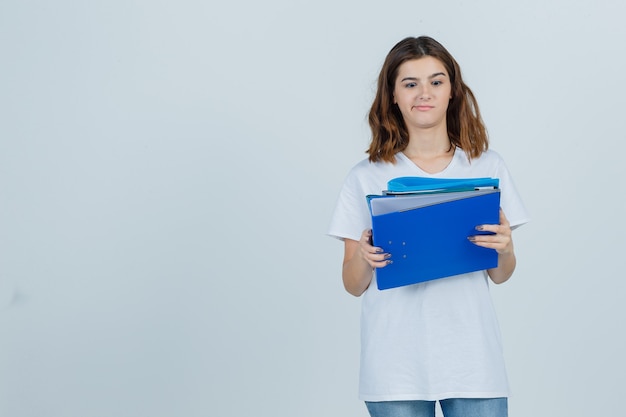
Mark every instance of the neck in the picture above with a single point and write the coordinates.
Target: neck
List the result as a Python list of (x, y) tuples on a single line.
[(431, 151), (429, 144)]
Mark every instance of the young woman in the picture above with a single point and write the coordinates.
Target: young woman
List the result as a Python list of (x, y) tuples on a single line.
[(437, 340)]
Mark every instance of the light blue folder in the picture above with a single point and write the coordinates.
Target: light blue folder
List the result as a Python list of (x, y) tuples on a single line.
[(425, 227)]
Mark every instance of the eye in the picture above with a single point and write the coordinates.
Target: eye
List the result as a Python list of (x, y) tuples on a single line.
[(410, 85), (437, 82)]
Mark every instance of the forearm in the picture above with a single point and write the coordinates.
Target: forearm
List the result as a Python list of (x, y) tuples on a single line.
[(357, 275), (505, 268)]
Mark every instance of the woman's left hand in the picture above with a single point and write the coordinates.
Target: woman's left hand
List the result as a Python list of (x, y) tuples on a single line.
[(501, 241)]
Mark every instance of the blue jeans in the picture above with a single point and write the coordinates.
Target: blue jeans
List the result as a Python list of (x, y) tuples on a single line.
[(453, 407)]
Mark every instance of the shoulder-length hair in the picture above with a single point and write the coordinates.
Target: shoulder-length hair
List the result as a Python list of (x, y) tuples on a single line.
[(389, 133)]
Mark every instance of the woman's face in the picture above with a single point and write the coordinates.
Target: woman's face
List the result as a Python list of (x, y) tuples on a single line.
[(422, 92)]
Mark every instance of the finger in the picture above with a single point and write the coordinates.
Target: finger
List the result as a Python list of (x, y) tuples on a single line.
[(380, 263), (368, 249), (377, 260), (366, 243), (498, 245), (488, 239), (498, 242), (501, 236), (503, 220), (503, 227), (500, 230), (495, 246), (376, 255)]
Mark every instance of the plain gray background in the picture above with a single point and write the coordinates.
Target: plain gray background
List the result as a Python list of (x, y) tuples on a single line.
[(168, 171)]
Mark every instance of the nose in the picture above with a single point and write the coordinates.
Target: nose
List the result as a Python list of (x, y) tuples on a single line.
[(424, 92)]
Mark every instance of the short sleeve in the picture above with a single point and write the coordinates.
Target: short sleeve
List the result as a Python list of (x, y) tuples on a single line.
[(510, 200), (351, 215)]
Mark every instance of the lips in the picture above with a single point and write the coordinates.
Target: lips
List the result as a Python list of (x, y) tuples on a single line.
[(423, 108)]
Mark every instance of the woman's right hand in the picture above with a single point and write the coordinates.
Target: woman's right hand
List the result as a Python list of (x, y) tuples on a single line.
[(359, 260), (374, 256)]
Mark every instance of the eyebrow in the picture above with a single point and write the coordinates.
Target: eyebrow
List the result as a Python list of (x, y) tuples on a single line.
[(430, 77)]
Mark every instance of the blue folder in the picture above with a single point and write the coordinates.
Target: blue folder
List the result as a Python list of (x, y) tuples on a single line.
[(424, 224)]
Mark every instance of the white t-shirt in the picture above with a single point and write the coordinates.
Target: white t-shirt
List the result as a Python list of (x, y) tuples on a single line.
[(437, 339)]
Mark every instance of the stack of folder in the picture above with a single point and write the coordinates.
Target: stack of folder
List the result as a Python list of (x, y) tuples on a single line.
[(424, 223)]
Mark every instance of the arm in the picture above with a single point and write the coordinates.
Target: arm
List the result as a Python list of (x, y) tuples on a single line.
[(359, 260), (502, 242)]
